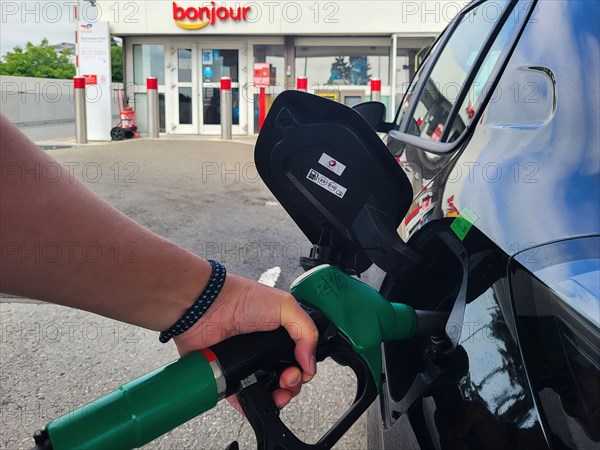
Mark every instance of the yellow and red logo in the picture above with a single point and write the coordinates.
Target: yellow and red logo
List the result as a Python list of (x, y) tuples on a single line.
[(194, 18)]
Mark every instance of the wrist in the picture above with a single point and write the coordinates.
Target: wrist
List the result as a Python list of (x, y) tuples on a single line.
[(186, 292), (200, 306), (217, 324), (154, 295)]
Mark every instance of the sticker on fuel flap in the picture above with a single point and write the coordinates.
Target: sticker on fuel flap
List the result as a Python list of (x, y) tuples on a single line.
[(326, 183), (332, 164)]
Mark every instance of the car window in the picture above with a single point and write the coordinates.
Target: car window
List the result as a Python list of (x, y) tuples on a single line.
[(423, 68), (482, 82), (446, 81), (556, 293)]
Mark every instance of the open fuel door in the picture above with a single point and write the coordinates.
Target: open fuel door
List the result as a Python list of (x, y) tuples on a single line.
[(338, 181)]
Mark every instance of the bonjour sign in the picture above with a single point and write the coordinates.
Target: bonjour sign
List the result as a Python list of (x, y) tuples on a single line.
[(196, 17)]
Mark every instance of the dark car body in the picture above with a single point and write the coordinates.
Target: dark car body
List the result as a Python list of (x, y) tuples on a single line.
[(512, 169)]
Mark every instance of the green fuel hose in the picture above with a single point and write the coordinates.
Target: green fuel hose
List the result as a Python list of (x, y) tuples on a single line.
[(141, 410)]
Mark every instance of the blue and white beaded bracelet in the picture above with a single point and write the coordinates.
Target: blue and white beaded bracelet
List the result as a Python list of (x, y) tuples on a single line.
[(201, 305)]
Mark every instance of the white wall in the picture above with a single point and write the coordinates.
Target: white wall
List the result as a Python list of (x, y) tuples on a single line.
[(28, 100), (346, 17), (25, 99)]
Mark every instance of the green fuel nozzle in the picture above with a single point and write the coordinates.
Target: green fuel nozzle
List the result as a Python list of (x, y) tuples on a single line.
[(360, 312), (353, 320)]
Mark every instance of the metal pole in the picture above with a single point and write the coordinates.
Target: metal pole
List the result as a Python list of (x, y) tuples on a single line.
[(80, 116), (290, 58), (262, 108), (302, 84), (394, 78), (153, 110), (375, 90), (226, 108)]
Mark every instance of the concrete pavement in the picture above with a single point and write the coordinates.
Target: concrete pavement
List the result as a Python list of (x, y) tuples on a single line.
[(50, 133), (207, 197)]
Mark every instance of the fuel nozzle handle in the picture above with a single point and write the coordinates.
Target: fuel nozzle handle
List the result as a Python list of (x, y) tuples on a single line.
[(361, 313)]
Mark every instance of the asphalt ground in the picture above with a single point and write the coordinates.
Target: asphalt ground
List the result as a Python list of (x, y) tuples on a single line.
[(207, 197), (49, 132)]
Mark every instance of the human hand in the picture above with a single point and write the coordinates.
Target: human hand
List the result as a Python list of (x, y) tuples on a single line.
[(245, 306)]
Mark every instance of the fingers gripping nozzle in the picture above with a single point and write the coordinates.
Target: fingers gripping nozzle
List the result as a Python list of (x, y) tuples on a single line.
[(353, 320)]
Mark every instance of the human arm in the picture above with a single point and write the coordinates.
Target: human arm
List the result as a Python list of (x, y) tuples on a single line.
[(151, 289)]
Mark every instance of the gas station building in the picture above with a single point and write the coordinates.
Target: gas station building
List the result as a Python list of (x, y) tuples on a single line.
[(338, 46)]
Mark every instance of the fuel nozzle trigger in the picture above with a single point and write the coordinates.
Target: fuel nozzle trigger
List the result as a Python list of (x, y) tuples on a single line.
[(262, 414)]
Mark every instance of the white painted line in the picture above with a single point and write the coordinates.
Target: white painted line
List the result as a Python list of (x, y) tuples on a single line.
[(270, 277)]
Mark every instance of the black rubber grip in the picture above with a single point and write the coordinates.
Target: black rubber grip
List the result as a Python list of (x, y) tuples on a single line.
[(243, 355)]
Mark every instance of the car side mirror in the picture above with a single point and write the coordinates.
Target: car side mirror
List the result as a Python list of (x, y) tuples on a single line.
[(374, 113)]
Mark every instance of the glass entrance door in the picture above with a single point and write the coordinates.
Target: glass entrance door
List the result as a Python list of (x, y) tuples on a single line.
[(185, 94), (217, 63)]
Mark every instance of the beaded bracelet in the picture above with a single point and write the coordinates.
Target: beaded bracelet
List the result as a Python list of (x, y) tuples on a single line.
[(197, 310)]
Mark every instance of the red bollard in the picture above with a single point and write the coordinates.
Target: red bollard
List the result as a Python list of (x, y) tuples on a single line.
[(262, 107), (153, 113), (375, 90), (226, 108), (302, 84), (80, 114)]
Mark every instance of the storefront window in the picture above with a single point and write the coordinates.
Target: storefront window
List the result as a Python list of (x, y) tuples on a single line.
[(185, 105), (184, 65), (148, 61), (218, 63), (141, 108), (343, 66), (274, 55), (211, 104)]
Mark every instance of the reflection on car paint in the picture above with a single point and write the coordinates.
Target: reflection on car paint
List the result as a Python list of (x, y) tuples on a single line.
[(491, 394)]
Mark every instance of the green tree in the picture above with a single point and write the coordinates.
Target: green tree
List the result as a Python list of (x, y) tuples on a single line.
[(40, 61), (116, 61), (340, 71), (359, 70)]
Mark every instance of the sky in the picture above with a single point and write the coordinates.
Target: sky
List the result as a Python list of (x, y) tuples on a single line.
[(32, 20)]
